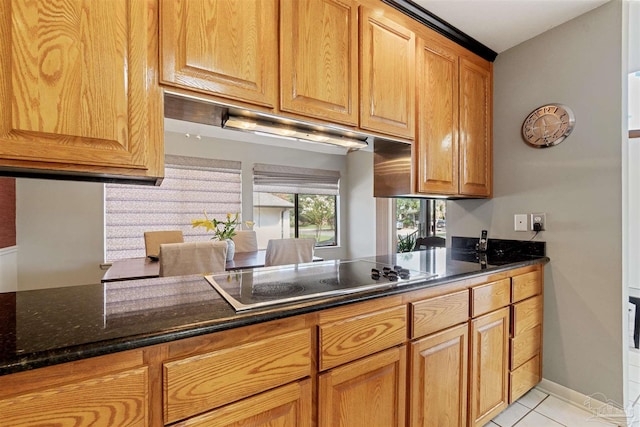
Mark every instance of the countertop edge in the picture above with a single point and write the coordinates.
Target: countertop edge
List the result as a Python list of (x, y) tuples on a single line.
[(101, 348)]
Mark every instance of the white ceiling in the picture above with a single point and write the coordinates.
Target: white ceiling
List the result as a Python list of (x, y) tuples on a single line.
[(501, 24)]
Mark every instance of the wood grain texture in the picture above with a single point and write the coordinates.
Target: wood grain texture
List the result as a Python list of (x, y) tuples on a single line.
[(118, 399), (527, 314), (476, 139), (525, 378), (525, 286), (221, 47), (369, 392), (8, 212), (489, 366), (490, 296), (319, 59), (436, 145), (439, 313), (387, 75), (361, 335), (525, 346), (286, 406), (199, 383), (439, 379), (81, 87), (73, 372)]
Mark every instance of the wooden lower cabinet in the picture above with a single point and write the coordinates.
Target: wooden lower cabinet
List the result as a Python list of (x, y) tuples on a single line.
[(289, 405), (369, 392), (418, 359), (489, 364), (439, 375), (100, 392), (202, 382)]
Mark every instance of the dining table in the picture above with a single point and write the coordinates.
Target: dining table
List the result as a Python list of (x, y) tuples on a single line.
[(146, 267)]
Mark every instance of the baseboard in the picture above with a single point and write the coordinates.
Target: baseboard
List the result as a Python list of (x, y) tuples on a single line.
[(598, 404)]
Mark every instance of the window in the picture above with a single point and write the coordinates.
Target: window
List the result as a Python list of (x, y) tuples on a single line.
[(295, 202), (191, 186), (418, 218)]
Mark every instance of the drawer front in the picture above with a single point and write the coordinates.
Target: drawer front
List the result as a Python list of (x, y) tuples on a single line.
[(524, 378), (525, 286), (490, 297), (527, 315), (525, 345), (359, 336), (435, 314), (199, 383), (114, 399), (289, 405)]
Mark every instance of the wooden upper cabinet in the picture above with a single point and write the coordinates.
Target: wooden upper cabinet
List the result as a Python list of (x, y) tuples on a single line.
[(475, 129), (436, 146), (79, 88), (225, 48), (387, 75), (319, 59), (453, 143)]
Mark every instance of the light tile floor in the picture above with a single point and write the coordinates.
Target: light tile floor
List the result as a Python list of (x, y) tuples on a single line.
[(538, 409)]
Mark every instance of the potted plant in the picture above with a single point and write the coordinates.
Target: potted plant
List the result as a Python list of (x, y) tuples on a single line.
[(222, 230)]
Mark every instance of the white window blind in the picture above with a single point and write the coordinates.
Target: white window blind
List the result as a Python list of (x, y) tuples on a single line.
[(191, 186), (289, 179)]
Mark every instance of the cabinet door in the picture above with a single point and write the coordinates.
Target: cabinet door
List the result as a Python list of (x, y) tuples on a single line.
[(289, 405), (437, 139), (438, 375), (221, 47), (387, 76), (475, 129), (369, 392), (319, 59), (79, 87), (489, 366)]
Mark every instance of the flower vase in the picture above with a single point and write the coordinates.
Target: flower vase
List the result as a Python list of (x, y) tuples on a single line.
[(231, 249)]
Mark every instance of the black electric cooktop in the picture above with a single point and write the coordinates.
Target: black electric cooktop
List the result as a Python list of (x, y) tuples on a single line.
[(250, 289)]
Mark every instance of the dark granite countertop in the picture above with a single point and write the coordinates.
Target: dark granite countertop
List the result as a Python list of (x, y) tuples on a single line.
[(50, 326)]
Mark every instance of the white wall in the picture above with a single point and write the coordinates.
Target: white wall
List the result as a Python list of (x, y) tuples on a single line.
[(578, 185), (59, 233), (9, 269), (361, 205)]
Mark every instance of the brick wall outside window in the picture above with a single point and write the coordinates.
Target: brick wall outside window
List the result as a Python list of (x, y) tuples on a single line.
[(7, 212)]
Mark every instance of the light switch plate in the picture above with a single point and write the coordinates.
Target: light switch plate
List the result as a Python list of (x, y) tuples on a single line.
[(520, 222)]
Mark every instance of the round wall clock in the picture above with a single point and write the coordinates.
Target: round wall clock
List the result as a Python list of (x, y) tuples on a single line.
[(548, 125)]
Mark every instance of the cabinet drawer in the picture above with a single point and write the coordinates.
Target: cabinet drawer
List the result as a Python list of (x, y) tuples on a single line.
[(436, 314), (287, 405), (489, 297), (525, 345), (525, 286), (526, 315), (524, 378), (359, 336), (114, 399), (199, 383)]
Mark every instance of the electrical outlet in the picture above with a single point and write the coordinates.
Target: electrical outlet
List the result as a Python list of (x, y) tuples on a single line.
[(520, 222), (538, 221)]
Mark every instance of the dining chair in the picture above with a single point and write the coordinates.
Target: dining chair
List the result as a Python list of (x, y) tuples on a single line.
[(178, 259), (429, 242), (246, 241), (289, 251), (153, 240)]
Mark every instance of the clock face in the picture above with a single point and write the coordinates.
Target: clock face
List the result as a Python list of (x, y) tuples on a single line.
[(548, 125)]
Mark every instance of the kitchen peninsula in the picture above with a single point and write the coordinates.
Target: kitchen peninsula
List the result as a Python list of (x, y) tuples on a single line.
[(167, 350)]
